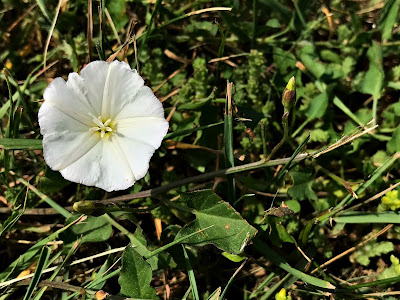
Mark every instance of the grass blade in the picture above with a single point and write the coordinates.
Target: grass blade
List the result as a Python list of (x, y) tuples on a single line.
[(48, 200), (43, 259), (192, 278), (230, 281), (275, 258), (389, 217), (20, 144), (228, 142), (175, 134)]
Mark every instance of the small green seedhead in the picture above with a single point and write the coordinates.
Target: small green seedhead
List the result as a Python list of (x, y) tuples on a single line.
[(289, 95)]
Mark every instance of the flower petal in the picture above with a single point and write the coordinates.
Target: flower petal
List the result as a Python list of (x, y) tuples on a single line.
[(104, 166), (122, 84), (65, 140), (144, 104), (94, 76), (59, 95), (138, 155), (139, 138), (77, 84), (147, 130)]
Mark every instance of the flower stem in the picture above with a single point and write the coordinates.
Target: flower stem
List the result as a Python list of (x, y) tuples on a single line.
[(285, 135)]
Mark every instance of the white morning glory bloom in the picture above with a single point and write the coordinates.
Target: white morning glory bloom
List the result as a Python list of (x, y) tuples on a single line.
[(101, 128)]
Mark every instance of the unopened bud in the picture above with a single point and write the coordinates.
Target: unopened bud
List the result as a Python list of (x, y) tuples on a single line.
[(289, 94), (84, 207)]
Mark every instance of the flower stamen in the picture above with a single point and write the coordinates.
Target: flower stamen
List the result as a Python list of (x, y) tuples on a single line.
[(101, 127)]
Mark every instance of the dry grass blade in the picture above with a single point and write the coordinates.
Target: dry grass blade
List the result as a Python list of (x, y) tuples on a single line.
[(90, 29), (344, 140), (114, 55), (23, 16), (169, 78), (53, 25), (197, 12), (78, 261), (352, 249), (173, 56), (114, 30), (377, 196), (165, 98)]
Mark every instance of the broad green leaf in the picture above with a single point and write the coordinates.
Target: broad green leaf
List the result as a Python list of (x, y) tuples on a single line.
[(373, 80), (93, 229), (301, 188), (117, 10), (318, 106), (389, 16), (20, 144), (52, 182), (273, 23), (135, 276), (161, 260), (309, 58), (229, 231), (283, 60)]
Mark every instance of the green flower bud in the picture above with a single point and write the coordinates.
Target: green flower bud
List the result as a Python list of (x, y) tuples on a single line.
[(84, 207), (289, 94)]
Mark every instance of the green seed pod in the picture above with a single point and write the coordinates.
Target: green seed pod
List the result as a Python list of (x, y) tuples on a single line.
[(289, 94)]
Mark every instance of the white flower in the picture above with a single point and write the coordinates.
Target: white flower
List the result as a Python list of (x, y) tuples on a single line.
[(101, 128)]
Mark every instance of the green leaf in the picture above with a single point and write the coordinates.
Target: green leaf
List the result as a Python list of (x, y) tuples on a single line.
[(275, 258), (309, 58), (117, 10), (373, 80), (229, 231), (52, 182), (93, 229), (24, 260), (394, 144), (389, 15), (192, 278), (135, 276), (41, 265), (43, 7), (234, 257), (318, 106), (373, 248), (215, 294), (20, 144), (284, 60), (367, 217), (301, 188)]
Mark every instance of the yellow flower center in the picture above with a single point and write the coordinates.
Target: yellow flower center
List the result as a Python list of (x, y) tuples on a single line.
[(102, 127)]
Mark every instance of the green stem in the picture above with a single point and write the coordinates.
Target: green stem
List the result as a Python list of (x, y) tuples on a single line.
[(162, 189), (285, 135), (117, 225), (48, 200)]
